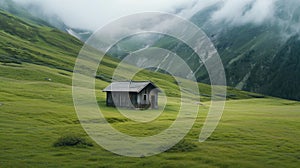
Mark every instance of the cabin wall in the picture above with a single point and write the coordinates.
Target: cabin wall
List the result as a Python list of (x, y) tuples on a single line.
[(153, 97), (147, 98), (121, 99)]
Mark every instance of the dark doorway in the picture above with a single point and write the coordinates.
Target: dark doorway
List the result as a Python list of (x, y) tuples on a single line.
[(153, 102)]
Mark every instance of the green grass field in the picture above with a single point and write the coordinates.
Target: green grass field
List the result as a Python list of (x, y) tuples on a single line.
[(36, 112)]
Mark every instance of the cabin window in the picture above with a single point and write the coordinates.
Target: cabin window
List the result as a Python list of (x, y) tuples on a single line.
[(145, 97)]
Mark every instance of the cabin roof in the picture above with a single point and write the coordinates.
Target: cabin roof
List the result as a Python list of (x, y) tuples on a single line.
[(130, 86)]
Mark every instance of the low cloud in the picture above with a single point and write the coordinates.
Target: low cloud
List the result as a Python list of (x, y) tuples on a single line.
[(284, 14), (239, 12), (92, 14)]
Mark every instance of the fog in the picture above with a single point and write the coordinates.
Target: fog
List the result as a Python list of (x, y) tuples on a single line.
[(239, 12), (285, 14), (92, 14)]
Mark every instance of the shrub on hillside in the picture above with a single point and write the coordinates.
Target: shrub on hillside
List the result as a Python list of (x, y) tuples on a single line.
[(71, 140), (183, 146)]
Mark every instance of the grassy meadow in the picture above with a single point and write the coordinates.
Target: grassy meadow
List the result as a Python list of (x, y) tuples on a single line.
[(36, 112)]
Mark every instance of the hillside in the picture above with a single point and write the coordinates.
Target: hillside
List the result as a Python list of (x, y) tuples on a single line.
[(262, 58), (250, 52), (36, 110), (36, 15), (17, 10), (22, 42), (25, 42)]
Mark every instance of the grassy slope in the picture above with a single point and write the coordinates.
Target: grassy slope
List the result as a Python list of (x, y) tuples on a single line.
[(24, 42), (35, 112)]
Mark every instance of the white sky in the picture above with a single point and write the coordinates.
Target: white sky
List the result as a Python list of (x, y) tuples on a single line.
[(93, 14)]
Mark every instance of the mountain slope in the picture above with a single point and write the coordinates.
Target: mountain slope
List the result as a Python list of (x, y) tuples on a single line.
[(35, 15), (250, 52), (282, 77), (22, 42), (25, 42), (260, 58), (19, 11)]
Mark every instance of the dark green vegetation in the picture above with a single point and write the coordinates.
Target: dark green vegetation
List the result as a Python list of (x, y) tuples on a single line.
[(72, 140), (17, 10), (35, 15), (37, 112), (25, 42), (259, 59), (262, 58)]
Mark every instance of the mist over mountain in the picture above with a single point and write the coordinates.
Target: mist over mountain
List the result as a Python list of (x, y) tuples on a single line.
[(91, 15), (258, 41), (259, 56), (34, 13)]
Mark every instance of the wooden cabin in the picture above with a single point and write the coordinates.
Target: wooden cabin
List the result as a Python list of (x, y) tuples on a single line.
[(132, 94)]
